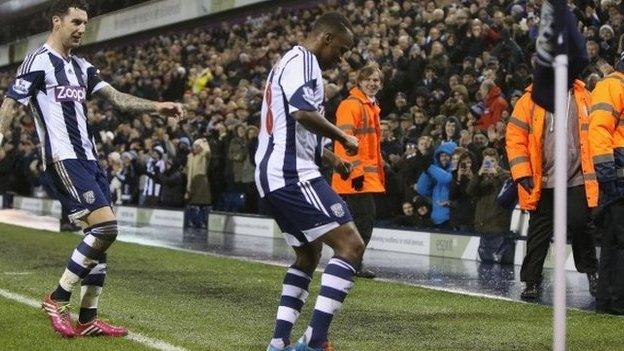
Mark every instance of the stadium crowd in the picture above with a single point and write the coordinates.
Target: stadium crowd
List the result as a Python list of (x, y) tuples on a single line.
[(453, 73), (23, 24)]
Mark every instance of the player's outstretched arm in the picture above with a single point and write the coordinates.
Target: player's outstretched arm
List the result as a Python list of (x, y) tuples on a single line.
[(317, 124), (7, 111), (132, 104)]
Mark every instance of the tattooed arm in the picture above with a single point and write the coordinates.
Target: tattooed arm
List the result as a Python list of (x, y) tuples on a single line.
[(132, 104), (7, 111)]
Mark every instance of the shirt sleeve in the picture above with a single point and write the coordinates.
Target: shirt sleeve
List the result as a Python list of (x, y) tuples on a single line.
[(26, 86), (299, 85), (94, 81)]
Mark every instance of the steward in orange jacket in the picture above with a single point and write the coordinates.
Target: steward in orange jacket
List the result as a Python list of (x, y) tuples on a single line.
[(358, 115), (606, 135), (530, 145), (524, 143), (606, 141)]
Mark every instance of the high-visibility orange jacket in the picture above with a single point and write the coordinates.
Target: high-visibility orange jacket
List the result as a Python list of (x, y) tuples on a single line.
[(359, 116), (524, 141), (606, 128)]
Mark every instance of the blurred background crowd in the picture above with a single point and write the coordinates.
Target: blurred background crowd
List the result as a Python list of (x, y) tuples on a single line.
[(453, 72), (22, 24)]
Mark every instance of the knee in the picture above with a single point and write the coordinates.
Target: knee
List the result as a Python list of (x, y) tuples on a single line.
[(353, 247), (309, 261), (106, 231)]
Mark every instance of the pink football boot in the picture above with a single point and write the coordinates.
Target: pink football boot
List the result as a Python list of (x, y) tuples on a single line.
[(98, 327), (60, 318)]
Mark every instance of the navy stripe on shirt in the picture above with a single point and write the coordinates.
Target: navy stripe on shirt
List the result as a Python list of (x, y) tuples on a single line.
[(69, 109), (85, 109), (47, 158), (29, 60), (291, 176)]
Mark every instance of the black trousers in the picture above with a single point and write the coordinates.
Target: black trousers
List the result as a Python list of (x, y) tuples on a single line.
[(362, 208), (610, 294), (541, 231)]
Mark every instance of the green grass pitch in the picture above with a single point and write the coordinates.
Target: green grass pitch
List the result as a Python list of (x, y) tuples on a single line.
[(201, 302)]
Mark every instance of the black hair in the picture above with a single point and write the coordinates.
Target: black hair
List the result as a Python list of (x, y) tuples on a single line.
[(332, 22), (61, 7)]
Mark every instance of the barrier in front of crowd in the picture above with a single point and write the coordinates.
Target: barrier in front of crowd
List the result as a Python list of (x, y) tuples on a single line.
[(138, 216), (426, 243), (420, 242)]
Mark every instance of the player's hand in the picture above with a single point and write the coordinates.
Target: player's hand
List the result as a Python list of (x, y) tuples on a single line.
[(170, 109), (344, 169), (1, 138), (351, 145)]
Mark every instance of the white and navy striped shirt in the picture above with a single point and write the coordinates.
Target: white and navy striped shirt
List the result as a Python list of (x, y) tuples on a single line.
[(153, 170), (287, 152), (57, 89)]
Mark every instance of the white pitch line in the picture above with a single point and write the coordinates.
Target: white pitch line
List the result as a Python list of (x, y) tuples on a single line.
[(141, 339)]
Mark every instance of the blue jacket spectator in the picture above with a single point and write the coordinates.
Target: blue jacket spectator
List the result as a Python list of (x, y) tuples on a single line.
[(435, 183)]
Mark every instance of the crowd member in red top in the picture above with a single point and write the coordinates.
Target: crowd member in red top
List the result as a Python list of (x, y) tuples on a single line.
[(493, 102)]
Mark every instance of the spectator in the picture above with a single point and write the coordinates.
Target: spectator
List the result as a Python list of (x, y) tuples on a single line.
[(451, 130), (415, 215), (484, 186), (129, 179), (238, 157), (494, 104), (416, 160), (435, 184), (418, 127), (116, 176), (491, 220), (198, 193), (462, 203), (391, 148), (153, 170), (173, 182)]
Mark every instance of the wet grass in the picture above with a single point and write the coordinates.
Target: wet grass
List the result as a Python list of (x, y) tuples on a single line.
[(202, 302)]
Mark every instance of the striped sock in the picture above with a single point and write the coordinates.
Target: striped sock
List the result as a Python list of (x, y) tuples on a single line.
[(294, 295), (83, 259), (90, 291), (336, 282)]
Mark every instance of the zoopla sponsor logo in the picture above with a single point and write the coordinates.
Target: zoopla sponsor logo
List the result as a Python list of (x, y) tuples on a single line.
[(64, 93)]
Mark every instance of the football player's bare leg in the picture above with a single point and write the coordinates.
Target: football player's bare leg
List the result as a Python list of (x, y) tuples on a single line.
[(308, 256)]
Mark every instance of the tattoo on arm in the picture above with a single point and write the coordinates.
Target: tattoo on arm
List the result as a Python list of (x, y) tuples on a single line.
[(126, 102), (7, 111)]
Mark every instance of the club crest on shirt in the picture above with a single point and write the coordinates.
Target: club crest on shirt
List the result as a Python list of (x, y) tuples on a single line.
[(337, 209), (89, 197), (21, 86)]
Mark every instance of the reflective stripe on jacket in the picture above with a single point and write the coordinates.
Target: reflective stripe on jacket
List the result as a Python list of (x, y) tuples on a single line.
[(524, 141), (359, 116)]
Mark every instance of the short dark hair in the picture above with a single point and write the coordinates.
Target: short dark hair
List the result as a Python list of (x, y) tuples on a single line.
[(332, 22), (61, 7)]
